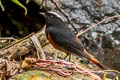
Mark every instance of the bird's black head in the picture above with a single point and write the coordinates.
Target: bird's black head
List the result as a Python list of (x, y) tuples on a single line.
[(52, 18)]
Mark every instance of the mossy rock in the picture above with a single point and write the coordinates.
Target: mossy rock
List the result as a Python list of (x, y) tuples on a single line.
[(48, 75)]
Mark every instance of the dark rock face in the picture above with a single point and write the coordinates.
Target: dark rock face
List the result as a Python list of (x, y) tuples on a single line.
[(15, 23), (103, 40)]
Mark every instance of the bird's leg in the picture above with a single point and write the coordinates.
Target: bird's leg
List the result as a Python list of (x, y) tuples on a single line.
[(68, 55)]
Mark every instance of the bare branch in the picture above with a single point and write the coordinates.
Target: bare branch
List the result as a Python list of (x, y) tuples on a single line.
[(17, 41), (105, 19), (62, 11)]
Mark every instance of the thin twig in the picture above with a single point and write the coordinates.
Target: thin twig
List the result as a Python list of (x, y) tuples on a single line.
[(99, 3), (104, 71), (7, 38), (41, 5), (112, 71), (105, 19), (62, 11)]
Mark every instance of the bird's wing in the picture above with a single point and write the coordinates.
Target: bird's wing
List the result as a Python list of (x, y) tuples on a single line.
[(67, 41), (73, 46)]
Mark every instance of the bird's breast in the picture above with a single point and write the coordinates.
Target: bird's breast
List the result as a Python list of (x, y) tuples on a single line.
[(52, 42)]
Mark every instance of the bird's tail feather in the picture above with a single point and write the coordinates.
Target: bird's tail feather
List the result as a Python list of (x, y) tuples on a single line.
[(95, 61)]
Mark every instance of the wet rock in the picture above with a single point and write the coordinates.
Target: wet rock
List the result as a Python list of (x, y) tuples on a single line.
[(110, 58), (85, 13), (116, 35)]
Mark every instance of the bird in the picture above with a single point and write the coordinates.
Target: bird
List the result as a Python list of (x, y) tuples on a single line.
[(64, 39)]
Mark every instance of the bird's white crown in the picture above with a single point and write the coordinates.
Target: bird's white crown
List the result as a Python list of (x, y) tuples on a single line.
[(56, 15)]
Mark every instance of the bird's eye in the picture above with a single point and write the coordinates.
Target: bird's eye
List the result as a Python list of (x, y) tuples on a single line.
[(51, 16)]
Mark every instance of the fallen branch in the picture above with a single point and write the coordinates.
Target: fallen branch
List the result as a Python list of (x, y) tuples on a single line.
[(22, 47), (7, 38), (38, 46), (17, 41)]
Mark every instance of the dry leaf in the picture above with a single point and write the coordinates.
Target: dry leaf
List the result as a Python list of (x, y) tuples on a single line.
[(25, 65)]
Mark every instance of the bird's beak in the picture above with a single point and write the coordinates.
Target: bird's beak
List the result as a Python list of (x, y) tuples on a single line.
[(42, 13)]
